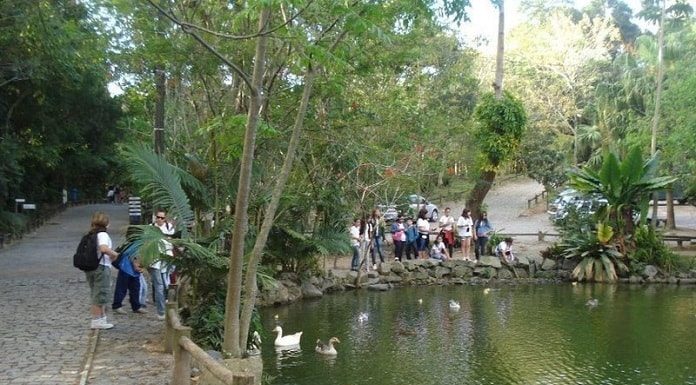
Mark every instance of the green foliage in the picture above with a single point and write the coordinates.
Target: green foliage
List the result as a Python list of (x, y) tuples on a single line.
[(626, 184), (599, 258), (651, 249), (501, 125), (543, 161)]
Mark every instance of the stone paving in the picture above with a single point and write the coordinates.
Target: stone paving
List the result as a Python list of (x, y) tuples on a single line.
[(44, 314)]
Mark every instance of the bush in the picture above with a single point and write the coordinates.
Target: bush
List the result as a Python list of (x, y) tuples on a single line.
[(651, 250)]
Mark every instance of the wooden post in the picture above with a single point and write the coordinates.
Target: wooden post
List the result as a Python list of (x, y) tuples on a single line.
[(540, 236), (169, 333), (243, 379), (182, 359)]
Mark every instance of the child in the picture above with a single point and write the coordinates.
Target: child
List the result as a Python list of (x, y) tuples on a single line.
[(439, 249), (504, 250), (411, 236)]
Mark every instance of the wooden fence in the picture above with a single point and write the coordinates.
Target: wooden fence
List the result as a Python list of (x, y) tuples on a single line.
[(177, 340), (536, 198)]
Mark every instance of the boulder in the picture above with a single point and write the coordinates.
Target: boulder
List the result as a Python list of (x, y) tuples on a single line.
[(486, 272), (392, 278), (635, 279), (429, 263), (372, 274), (548, 264), (384, 268), (310, 291), (521, 273), (397, 267), (505, 274), (275, 295), (687, 281), (462, 271), (379, 287), (522, 260), (419, 274), (650, 271), (538, 259), (568, 264), (490, 261)]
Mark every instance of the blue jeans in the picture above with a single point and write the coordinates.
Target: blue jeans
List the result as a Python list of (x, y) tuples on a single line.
[(377, 246), (480, 247), (127, 284), (356, 258), (158, 289)]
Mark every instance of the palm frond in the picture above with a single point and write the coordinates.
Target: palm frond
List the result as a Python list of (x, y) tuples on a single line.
[(161, 183)]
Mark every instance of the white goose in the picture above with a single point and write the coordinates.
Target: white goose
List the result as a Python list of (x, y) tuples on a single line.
[(327, 349), (454, 305), (289, 340)]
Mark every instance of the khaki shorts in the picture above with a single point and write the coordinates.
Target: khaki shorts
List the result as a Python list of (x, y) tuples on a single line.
[(99, 281)]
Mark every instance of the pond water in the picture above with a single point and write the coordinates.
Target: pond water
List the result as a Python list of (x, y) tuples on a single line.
[(510, 335)]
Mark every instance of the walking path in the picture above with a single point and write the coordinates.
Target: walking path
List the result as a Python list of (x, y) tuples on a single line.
[(44, 314)]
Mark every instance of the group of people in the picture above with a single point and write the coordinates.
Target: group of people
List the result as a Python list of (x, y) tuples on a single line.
[(130, 279), (412, 239)]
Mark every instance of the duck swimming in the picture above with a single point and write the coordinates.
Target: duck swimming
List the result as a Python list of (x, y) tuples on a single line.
[(362, 317), (328, 348), (289, 340), (592, 302), (454, 305)]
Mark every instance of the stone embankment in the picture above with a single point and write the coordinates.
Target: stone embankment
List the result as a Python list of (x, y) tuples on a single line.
[(488, 271)]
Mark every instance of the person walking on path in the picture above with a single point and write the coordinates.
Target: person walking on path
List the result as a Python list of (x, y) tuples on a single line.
[(99, 280), (483, 230)]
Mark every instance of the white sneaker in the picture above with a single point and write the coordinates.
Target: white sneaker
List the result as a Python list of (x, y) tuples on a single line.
[(120, 311), (374, 266), (161, 317), (100, 324)]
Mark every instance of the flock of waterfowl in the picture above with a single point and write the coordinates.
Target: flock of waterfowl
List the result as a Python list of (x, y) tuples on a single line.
[(328, 348)]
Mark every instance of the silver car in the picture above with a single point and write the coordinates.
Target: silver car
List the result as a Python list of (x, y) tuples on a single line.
[(416, 202)]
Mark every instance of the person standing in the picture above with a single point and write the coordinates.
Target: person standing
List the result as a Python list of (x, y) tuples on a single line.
[(355, 244), (483, 230), (128, 281), (411, 239), (376, 229), (465, 227), (398, 232), (158, 269), (99, 280), (446, 223), (423, 233)]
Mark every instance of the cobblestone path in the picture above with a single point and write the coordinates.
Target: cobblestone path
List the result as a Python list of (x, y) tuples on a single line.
[(44, 314)]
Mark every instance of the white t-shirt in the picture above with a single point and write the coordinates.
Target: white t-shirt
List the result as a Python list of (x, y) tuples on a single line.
[(423, 226), (354, 236), (166, 247), (446, 223), (464, 227), (438, 250), (504, 248), (104, 239)]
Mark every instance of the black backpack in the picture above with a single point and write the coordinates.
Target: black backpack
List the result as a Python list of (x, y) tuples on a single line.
[(85, 257)]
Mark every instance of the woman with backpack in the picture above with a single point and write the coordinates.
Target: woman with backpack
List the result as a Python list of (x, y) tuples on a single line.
[(99, 279)]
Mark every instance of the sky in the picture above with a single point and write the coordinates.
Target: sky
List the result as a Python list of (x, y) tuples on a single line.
[(484, 18)]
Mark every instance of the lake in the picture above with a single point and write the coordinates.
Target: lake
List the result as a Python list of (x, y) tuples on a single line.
[(508, 335)]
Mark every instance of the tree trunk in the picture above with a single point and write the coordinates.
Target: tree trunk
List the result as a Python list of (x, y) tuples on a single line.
[(160, 99), (479, 192), (250, 286), (671, 223), (500, 54), (241, 217), (658, 97)]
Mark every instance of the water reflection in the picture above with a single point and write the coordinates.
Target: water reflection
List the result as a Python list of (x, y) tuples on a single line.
[(515, 335)]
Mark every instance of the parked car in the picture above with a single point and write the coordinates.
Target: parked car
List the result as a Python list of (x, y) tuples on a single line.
[(389, 212), (571, 200), (416, 202)]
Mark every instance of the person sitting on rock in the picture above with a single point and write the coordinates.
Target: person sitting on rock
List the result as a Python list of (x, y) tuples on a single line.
[(439, 250)]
